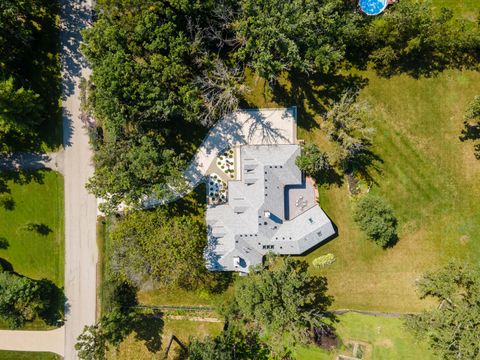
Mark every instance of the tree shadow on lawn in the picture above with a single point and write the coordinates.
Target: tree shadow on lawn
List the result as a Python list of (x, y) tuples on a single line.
[(20, 177), (148, 328), (54, 312), (314, 94), (366, 165), (4, 244), (40, 229), (471, 132)]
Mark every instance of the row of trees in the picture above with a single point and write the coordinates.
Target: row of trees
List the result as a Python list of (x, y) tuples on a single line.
[(160, 68)]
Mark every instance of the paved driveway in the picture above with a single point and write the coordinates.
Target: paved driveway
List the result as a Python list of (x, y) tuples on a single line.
[(47, 341)]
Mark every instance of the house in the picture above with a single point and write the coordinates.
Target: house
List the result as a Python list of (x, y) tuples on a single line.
[(268, 206)]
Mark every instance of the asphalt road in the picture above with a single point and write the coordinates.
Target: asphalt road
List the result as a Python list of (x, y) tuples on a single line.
[(80, 206)]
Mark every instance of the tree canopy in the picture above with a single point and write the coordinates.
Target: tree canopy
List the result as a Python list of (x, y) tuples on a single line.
[(452, 329), (307, 36), (20, 112), (416, 39), (129, 170), (312, 160), (29, 71), (20, 299), (230, 344), (156, 246), (283, 300), (376, 218), (471, 130), (346, 123)]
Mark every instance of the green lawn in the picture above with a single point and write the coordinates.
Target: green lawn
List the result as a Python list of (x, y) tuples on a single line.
[(384, 339), (39, 200), (427, 174), (136, 346), (21, 355)]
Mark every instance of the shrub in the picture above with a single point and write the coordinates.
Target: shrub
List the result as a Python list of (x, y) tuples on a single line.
[(376, 218), (312, 160), (323, 260), (7, 202)]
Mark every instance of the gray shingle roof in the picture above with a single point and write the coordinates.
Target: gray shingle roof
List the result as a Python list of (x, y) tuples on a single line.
[(254, 220)]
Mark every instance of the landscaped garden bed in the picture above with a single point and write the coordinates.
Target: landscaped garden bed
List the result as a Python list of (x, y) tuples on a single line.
[(216, 189), (226, 162)]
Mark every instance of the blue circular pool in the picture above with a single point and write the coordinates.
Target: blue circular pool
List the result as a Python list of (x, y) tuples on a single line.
[(373, 7)]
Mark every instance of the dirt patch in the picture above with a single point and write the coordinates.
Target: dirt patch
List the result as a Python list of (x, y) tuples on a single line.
[(353, 184), (464, 240), (386, 343)]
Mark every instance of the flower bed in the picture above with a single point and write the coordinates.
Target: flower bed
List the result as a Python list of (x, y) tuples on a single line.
[(226, 162), (216, 189)]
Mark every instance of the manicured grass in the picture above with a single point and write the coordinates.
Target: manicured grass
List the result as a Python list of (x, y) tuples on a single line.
[(427, 174), (387, 339), (24, 355), (182, 297), (38, 200), (134, 348)]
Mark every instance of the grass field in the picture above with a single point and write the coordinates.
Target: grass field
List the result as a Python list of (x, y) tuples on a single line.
[(40, 201), (135, 348), (427, 174), (21, 355), (383, 339)]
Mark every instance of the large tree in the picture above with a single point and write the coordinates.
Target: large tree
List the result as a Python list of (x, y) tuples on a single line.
[(452, 329), (20, 112), (346, 123), (376, 218), (308, 36), (415, 38), (145, 59), (158, 247), (17, 24), (471, 130), (284, 300), (130, 170), (231, 344), (20, 299), (312, 160)]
